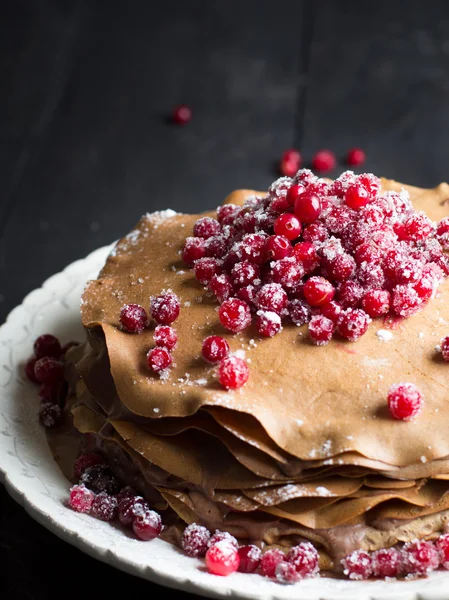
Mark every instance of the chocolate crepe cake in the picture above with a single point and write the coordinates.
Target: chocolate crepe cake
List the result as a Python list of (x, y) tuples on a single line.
[(307, 448)]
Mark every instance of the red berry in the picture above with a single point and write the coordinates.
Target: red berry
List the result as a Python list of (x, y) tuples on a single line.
[(353, 324), (223, 536), (244, 273), (286, 573), (321, 330), (205, 268), (404, 401), (387, 562), (406, 301), (268, 323), (287, 272), (355, 157), (305, 177), (367, 252), (104, 507), (29, 369), (195, 540), (214, 349), (147, 525), (81, 498), (376, 303), (216, 246), (222, 559), (315, 233), (159, 359), (272, 297), (349, 294), (226, 213), (125, 493), (442, 545), (443, 233), (206, 227), (324, 160), (299, 311), (248, 294), (251, 248), (357, 196), (341, 184), (221, 287), (304, 557), (50, 414), (292, 155), (277, 247), (341, 268), (100, 478), (420, 557), (445, 349), (288, 168), (133, 318), (235, 315), (47, 345), (233, 372), (270, 560), (417, 227), (371, 276), (165, 308), (287, 225), (165, 336), (181, 114), (332, 310), (293, 193), (308, 207), (84, 462), (249, 558), (318, 291), (130, 508), (194, 249), (357, 565), (305, 253)]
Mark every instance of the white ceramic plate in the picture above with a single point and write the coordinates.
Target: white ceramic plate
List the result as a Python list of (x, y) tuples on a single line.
[(34, 480)]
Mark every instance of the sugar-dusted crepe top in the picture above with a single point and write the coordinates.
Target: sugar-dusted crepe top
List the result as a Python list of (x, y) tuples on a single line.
[(314, 402)]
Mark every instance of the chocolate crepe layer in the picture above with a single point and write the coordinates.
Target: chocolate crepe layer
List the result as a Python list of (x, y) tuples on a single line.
[(306, 449)]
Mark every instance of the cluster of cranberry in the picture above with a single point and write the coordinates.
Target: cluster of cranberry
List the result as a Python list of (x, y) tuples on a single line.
[(99, 494)]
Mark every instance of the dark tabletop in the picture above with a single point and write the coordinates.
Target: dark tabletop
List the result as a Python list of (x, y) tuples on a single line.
[(86, 147)]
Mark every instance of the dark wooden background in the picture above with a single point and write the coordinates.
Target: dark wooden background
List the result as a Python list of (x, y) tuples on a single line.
[(85, 146)]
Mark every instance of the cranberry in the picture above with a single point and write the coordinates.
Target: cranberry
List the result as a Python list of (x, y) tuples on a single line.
[(181, 114), (221, 286), (268, 323), (405, 301), (251, 248), (355, 157), (341, 184), (349, 294), (308, 207), (353, 324), (357, 565), (332, 310), (357, 196), (289, 167), (299, 312), (195, 540), (305, 177), (270, 560), (205, 268), (244, 273), (165, 336), (286, 573), (277, 247), (226, 214), (29, 369), (125, 493), (272, 297), (445, 348), (133, 318), (324, 160), (147, 525), (279, 205), (206, 227), (305, 253), (404, 401), (104, 507), (371, 215), (248, 294), (159, 359), (130, 508), (233, 372), (193, 250), (293, 193), (367, 252), (341, 268), (304, 557), (214, 349), (47, 345), (165, 308), (443, 262), (442, 545), (417, 227), (84, 462), (235, 315), (288, 226), (100, 478), (387, 562), (376, 303), (315, 233), (50, 414), (420, 557), (318, 291), (81, 498), (249, 558), (321, 330), (287, 272), (223, 536), (67, 347), (443, 233), (371, 276), (216, 246), (292, 155), (222, 559)]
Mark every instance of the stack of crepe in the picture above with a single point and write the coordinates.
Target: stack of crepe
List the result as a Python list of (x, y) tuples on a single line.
[(306, 449)]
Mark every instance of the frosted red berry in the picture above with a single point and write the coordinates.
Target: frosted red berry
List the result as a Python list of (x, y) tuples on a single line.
[(293, 193), (250, 557), (220, 536), (315, 233), (244, 273), (233, 372), (287, 272), (251, 248), (417, 227), (165, 336), (216, 246), (277, 247), (125, 493), (133, 318), (308, 207), (221, 286), (84, 462), (214, 349), (100, 478), (195, 540), (288, 225), (341, 268), (307, 255), (165, 308), (304, 557), (268, 323), (104, 507), (353, 324), (194, 248), (358, 565), (248, 294), (206, 227), (350, 294), (50, 414), (226, 214), (159, 359), (299, 311), (324, 160), (442, 546), (130, 508), (445, 349), (355, 157), (321, 330), (286, 573), (270, 560), (47, 345), (376, 303), (272, 297), (29, 369), (405, 301), (81, 498), (182, 114), (357, 196), (404, 401), (222, 558), (234, 315), (332, 310), (386, 562), (420, 557), (318, 291), (147, 525), (442, 233), (205, 268)]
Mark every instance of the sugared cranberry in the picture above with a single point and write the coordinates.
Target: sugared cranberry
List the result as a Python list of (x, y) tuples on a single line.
[(165, 308), (332, 310), (272, 297), (249, 558), (353, 324), (244, 273), (305, 177), (205, 268), (50, 414), (443, 233), (195, 540), (341, 184), (81, 498), (67, 347), (222, 559), (367, 252), (371, 276), (299, 311), (104, 507), (223, 536), (287, 272), (350, 294), (420, 557), (268, 323), (85, 461), (100, 478), (318, 291), (321, 330), (442, 545), (214, 349), (445, 349), (248, 294), (147, 525), (270, 560), (277, 247), (251, 248), (357, 196), (133, 318), (404, 401), (216, 246), (341, 268), (130, 508), (288, 226), (315, 233), (376, 302), (308, 207), (47, 345), (206, 227), (226, 213), (193, 250), (221, 287), (125, 493), (355, 157), (235, 315), (305, 253), (405, 301), (165, 336), (324, 160), (159, 359), (278, 205), (386, 562), (181, 114), (286, 573), (417, 227), (371, 215), (358, 565), (29, 369), (304, 557), (233, 372)]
